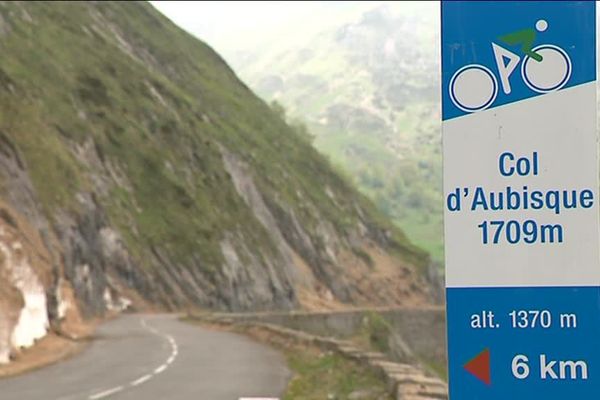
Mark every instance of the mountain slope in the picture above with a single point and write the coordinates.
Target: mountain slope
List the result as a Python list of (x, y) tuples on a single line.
[(366, 84), (143, 171)]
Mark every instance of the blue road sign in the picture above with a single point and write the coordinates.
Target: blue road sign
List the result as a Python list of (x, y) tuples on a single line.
[(521, 193)]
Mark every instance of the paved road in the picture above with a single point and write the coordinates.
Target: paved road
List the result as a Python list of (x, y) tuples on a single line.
[(157, 357)]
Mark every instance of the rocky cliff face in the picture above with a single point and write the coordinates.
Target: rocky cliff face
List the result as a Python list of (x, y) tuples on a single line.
[(366, 82), (32, 293), (136, 170)]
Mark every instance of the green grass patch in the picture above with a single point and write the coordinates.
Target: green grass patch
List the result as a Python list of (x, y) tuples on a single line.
[(374, 333), (439, 369), (319, 376), (112, 99)]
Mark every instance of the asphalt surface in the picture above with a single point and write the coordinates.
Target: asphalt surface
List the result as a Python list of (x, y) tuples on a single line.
[(157, 357)]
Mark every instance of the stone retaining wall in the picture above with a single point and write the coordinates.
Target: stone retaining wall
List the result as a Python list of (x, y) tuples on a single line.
[(404, 381), (423, 330)]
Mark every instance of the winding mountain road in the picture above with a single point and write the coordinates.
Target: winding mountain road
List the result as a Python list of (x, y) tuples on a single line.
[(157, 357)]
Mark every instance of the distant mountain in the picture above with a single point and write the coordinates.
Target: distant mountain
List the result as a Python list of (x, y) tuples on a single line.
[(365, 81), (136, 169)]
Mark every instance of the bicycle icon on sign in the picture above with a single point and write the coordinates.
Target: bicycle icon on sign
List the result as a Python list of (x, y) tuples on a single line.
[(544, 68)]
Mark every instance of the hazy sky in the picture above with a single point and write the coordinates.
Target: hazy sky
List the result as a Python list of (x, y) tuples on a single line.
[(209, 20), (235, 25)]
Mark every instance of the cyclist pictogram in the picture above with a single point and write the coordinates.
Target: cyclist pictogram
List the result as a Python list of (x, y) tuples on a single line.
[(544, 68)]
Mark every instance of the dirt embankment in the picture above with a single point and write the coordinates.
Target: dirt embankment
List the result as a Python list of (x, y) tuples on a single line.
[(50, 349), (29, 293)]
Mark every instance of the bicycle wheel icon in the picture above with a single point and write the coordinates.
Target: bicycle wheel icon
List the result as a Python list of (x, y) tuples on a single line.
[(550, 74), (473, 88)]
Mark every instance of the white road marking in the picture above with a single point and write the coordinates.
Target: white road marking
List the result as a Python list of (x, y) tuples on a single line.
[(145, 378), (160, 369), (141, 380), (106, 393)]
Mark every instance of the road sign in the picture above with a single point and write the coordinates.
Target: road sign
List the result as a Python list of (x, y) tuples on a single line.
[(480, 367), (521, 199)]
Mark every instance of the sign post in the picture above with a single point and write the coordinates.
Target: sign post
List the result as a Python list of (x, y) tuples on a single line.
[(521, 199)]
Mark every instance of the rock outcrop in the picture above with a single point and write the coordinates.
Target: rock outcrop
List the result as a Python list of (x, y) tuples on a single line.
[(137, 170)]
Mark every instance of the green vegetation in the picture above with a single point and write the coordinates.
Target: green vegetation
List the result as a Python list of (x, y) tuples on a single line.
[(406, 189), (111, 98), (375, 332), (319, 376), (437, 368), (366, 83)]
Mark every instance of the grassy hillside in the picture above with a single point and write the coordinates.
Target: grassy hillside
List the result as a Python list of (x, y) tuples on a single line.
[(366, 83), (156, 170)]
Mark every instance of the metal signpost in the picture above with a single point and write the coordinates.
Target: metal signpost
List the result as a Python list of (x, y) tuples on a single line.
[(521, 199)]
